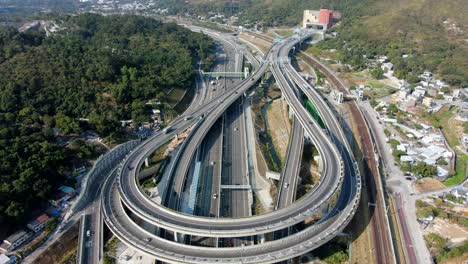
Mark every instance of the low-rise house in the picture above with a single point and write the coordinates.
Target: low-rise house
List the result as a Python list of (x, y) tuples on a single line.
[(461, 192), (419, 92), (433, 153), (407, 158), (411, 101), (382, 59), (4, 259), (432, 92), (427, 101), (442, 174), (424, 83), (14, 241), (390, 120), (387, 66), (425, 127), (448, 98), (426, 75), (432, 138), (59, 199), (465, 142), (401, 148), (427, 219), (463, 116), (441, 84), (38, 224)]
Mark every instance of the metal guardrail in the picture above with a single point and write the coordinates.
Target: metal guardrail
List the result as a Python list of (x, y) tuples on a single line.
[(336, 223)]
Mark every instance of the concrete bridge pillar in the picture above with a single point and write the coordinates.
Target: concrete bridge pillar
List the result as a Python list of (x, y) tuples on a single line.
[(291, 113), (261, 238)]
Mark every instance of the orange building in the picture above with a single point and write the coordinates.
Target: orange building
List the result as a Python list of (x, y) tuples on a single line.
[(326, 17), (317, 19)]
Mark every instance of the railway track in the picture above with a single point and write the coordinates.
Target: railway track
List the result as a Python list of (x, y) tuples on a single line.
[(262, 37), (381, 237)]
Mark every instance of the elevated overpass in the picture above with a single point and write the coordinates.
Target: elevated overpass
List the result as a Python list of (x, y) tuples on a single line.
[(340, 176)]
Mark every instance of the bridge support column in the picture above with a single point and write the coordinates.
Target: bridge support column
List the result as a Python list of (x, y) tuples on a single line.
[(179, 238), (261, 238)]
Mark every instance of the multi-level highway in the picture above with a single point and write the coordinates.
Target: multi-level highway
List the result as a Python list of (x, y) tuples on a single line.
[(121, 194), (384, 250)]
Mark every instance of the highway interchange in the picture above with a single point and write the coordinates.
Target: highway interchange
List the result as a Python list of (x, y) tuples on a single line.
[(340, 177)]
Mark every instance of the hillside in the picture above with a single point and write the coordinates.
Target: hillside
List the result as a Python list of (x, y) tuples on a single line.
[(433, 32), (103, 68), (269, 12)]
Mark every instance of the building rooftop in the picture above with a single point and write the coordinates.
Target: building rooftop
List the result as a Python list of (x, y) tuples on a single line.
[(66, 189), (16, 236), (4, 259), (433, 151)]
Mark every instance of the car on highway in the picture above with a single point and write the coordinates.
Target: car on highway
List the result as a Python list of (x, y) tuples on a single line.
[(286, 185), (167, 130), (147, 239), (88, 233), (215, 195)]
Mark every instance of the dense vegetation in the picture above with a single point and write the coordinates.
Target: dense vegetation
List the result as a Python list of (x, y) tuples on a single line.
[(268, 12), (430, 31), (95, 67)]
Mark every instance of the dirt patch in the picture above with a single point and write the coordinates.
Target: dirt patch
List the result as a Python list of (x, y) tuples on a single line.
[(455, 233), (67, 243), (279, 126), (428, 184), (262, 44)]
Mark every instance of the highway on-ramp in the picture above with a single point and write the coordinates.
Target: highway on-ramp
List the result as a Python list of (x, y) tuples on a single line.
[(123, 190)]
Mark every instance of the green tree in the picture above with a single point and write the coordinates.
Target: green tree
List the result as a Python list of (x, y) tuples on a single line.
[(66, 124), (51, 224), (377, 73)]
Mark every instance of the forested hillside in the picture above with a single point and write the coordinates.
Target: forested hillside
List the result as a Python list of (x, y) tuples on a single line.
[(269, 12), (432, 32), (96, 67)]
